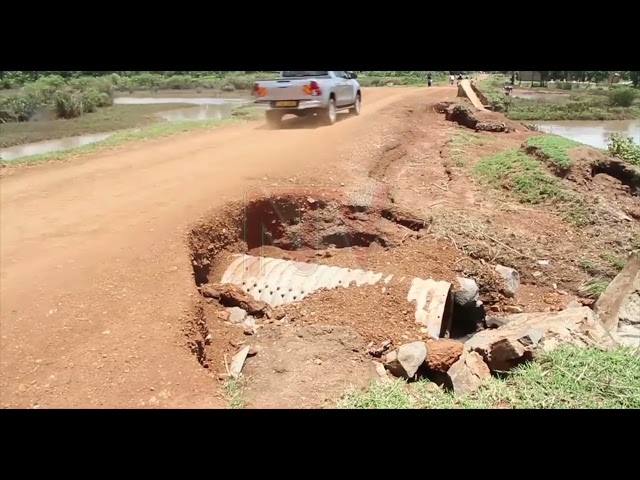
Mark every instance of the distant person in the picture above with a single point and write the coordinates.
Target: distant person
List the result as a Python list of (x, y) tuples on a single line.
[(429, 80), (452, 79), (459, 79)]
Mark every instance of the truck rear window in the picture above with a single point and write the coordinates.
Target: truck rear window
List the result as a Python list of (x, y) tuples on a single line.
[(304, 74)]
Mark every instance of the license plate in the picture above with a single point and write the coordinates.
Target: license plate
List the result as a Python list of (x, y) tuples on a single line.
[(287, 103)]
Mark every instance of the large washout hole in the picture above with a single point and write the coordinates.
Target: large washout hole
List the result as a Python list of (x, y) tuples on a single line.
[(302, 228)]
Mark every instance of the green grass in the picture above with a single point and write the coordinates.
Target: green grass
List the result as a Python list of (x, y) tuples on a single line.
[(568, 377), (594, 287), (553, 149), (461, 139), (519, 174), (234, 389), (616, 262), (158, 130)]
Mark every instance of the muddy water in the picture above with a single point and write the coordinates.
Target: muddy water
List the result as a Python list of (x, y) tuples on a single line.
[(205, 108), (13, 153), (594, 133)]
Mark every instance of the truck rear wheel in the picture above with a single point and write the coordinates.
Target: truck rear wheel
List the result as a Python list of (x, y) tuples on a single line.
[(274, 119), (330, 115)]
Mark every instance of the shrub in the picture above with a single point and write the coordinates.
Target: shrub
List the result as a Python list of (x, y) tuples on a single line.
[(622, 97), (624, 148), (68, 103)]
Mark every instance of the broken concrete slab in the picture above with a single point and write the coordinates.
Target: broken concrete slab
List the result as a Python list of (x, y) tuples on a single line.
[(237, 362), (433, 305), (406, 361), (270, 282), (620, 302), (468, 373), (511, 279), (467, 293), (509, 345)]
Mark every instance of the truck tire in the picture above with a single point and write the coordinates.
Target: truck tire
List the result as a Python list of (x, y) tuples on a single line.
[(330, 115), (274, 119), (355, 110)]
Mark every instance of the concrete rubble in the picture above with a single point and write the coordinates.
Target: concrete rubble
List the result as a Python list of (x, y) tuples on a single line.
[(516, 341), (468, 293), (406, 361), (619, 306), (468, 373), (511, 279)]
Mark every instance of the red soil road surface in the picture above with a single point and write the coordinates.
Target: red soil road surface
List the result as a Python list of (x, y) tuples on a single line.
[(94, 268)]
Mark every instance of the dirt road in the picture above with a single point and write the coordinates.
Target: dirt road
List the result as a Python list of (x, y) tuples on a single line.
[(96, 279)]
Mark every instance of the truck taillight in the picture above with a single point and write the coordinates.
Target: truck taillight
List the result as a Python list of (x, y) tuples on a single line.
[(258, 90), (315, 88)]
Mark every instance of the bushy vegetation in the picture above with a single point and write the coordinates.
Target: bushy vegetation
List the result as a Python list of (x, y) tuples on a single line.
[(57, 96), (624, 148), (585, 102), (225, 81)]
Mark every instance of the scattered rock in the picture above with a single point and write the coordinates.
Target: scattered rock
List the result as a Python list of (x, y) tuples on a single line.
[(511, 344), (543, 263), (233, 296), (407, 359), (237, 362), (468, 293), (236, 315), (223, 315), (513, 309), (496, 322), (208, 291), (496, 127), (511, 279), (382, 349), (468, 373), (441, 354)]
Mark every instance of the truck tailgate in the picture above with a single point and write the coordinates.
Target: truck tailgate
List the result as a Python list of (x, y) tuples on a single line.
[(284, 89)]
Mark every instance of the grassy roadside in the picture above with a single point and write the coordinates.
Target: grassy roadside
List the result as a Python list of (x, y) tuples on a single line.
[(576, 103), (158, 130), (568, 377)]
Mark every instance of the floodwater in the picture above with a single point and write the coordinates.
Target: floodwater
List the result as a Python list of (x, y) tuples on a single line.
[(204, 108), (593, 133), (36, 148)]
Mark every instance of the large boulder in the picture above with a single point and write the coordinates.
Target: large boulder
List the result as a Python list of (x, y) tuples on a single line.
[(517, 341)]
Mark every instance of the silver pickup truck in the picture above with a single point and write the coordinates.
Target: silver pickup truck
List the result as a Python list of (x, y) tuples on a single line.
[(308, 94)]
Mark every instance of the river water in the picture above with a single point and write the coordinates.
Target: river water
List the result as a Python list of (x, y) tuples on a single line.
[(204, 108), (593, 133)]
